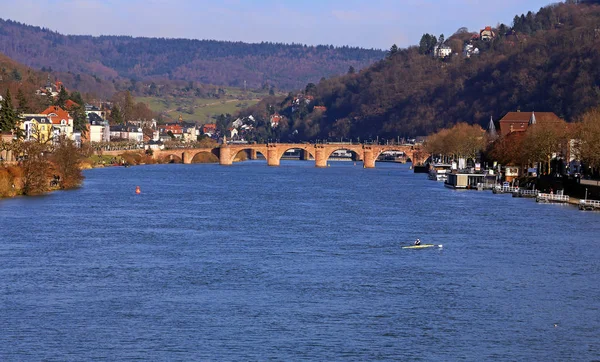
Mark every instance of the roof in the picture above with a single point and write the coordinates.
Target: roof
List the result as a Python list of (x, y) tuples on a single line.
[(541, 117), (124, 128), (38, 118), (95, 119), (69, 104), (60, 114), (519, 121)]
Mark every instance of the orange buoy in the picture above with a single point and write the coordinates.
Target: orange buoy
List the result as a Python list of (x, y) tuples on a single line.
[(137, 190)]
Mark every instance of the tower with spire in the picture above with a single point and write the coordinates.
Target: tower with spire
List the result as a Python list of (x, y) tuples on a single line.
[(532, 120), (492, 129)]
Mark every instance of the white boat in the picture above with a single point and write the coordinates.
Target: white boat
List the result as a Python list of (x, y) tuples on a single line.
[(439, 172), (422, 246)]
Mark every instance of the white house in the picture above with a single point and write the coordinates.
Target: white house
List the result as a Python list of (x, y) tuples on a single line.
[(442, 51), (470, 50), (127, 133), (98, 128)]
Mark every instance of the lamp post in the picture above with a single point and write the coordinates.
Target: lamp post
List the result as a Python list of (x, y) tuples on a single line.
[(586, 193)]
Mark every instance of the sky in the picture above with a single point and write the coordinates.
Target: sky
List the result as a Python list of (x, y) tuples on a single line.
[(369, 24)]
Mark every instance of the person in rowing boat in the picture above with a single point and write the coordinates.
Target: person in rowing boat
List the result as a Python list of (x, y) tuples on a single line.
[(418, 241)]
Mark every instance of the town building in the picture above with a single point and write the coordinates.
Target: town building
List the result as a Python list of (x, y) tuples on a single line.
[(519, 121), (98, 129), (209, 129), (487, 34), (62, 121), (36, 127), (442, 51), (126, 132)]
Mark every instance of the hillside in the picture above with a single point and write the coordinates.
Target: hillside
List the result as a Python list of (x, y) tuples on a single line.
[(22, 81), (543, 62), (212, 62)]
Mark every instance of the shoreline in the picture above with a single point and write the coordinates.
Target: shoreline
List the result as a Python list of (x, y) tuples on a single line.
[(93, 165)]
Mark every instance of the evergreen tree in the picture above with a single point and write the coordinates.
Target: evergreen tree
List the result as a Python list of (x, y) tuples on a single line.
[(63, 96), (351, 70), (393, 50), (8, 115), (115, 115), (128, 107), (77, 98), (79, 119), (23, 103)]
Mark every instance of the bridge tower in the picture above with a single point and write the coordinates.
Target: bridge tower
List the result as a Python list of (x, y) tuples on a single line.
[(369, 157), (321, 156), (272, 157), (225, 158)]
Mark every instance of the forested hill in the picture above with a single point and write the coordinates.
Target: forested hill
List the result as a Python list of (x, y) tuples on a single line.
[(547, 61), (214, 62)]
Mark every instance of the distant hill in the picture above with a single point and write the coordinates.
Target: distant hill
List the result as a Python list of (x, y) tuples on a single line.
[(235, 64), (547, 61)]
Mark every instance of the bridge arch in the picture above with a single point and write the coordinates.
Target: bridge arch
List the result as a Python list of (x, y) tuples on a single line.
[(281, 149), (204, 156), (357, 151), (172, 157), (250, 153), (230, 152)]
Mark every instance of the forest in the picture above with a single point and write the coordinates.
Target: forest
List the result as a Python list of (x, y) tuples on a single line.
[(237, 64), (545, 61)]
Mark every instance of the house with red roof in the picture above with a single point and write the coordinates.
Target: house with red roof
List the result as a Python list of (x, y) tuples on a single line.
[(275, 119), (62, 121), (519, 121), (487, 34), (209, 129)]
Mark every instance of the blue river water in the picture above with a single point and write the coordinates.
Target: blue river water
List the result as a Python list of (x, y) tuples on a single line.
[(251, 262)]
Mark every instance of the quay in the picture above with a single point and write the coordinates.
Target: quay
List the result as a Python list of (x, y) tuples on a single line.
[(525, 193), (546, 198), (591, 205), (505, 189)]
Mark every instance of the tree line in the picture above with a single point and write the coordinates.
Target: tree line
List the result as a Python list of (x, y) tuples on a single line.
[(285, 66), (539, 145)]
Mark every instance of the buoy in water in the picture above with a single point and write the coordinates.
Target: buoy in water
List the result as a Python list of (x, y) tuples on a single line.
[(137, 190)]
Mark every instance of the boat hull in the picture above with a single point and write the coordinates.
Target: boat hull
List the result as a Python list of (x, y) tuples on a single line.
[(422, 246)]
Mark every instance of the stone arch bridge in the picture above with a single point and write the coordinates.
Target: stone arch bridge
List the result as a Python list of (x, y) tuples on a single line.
[(273, 152)]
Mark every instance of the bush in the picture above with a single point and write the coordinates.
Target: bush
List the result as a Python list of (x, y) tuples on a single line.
[(66, 158)]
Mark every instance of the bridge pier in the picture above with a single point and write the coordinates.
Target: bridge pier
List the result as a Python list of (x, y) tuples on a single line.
[(253, 154), (369, 157), (225, 156), (272, 157), (304, 155), (186, 158), (321, 156)]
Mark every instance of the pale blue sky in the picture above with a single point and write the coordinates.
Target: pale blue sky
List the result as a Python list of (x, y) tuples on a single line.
[(370, 24)]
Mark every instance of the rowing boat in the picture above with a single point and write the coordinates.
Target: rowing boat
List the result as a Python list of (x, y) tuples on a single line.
[(422, 246)]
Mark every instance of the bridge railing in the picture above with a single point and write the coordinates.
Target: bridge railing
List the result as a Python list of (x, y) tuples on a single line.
[(589, 205), (552, 198), (499, 189)]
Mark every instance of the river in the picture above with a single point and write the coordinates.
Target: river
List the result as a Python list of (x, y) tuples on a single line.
[(251, 262)]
